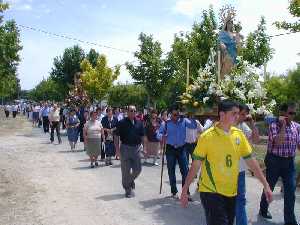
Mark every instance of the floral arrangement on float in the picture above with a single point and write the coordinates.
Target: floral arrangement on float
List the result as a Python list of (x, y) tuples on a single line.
[(242, 85)]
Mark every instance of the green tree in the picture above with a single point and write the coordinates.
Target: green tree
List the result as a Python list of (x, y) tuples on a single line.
[(9, 56), (92, 57), (65, 66), (127, 94), (47, 89), (294, 9), (257, 48), (150, 69), (277, 88), (97, 80), (293, 81), (195, 46)]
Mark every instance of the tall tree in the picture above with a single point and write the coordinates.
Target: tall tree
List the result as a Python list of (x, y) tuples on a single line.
[(150, 69), (97, 80), (121, 95), (9, 55), (47, 89), (294, 9), (65, 67), (195, 46), (92, 57), (257, 48)]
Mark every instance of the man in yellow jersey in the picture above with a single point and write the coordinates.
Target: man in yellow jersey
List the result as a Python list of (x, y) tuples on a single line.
[(218, 152)]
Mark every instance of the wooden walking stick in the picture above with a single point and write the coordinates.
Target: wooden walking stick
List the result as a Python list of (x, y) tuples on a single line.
[(162, 165)]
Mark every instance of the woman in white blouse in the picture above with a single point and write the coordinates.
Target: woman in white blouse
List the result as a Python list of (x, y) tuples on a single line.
[(92, 133)]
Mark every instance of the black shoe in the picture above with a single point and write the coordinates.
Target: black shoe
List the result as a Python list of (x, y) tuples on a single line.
[(96, 163), (128, 193), (92, 165), (266, 215), (175, 196)]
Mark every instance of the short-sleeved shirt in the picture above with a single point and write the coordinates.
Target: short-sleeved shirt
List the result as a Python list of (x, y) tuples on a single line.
[(93, 129), (220, 153), (130, 133), (291, 141), (248, 132)]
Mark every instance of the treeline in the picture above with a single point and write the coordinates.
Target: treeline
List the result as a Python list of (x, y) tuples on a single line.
[(160, 76)]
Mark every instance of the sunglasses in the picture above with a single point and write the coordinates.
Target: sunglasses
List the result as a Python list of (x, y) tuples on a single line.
[(292, 113), (132, 110)]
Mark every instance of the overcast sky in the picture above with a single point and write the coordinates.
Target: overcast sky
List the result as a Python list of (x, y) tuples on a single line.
[(117, 23)]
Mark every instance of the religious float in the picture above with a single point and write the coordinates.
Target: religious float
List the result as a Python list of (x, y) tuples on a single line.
[(226, 76)]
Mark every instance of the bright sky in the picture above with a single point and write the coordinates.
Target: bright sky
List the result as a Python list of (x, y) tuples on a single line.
[(117, 23)]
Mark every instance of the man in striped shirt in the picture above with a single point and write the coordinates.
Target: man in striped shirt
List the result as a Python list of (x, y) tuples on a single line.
[(284, 139)]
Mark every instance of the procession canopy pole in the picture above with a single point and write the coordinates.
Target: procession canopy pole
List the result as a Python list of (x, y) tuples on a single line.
[(187, 73), (219, 66)]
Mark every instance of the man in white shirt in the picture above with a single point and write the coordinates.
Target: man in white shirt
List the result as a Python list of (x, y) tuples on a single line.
[(191, 137), (14, 110), (253, 136), (7, 109), (54, 119)]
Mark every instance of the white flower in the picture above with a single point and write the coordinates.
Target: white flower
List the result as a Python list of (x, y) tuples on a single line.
[(205, 99), (272, 103), (240, 94), (251, 108), (262, 110), (251, 94), (219, 92)]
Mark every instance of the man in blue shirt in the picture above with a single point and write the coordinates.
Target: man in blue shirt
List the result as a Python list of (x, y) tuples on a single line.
[(174, 131), (44, 114)]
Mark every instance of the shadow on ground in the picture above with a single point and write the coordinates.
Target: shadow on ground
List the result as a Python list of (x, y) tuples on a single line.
[(262, 221), (167, 210), (88, 167), (112, 197)]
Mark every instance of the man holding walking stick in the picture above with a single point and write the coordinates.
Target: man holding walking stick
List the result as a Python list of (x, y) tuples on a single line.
[(174, 133)]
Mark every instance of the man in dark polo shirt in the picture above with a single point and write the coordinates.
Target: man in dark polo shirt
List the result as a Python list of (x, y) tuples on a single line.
[(131, 133)]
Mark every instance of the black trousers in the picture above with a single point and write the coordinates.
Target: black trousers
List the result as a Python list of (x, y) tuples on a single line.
[(219, 209), (14, 114), (55, 126), (45, 124), (6, 113), (276, 167), (80, 131)]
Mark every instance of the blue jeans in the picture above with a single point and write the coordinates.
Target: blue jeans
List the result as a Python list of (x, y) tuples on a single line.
[(174, 155), (285, 168), (189, 148), (240, 207)]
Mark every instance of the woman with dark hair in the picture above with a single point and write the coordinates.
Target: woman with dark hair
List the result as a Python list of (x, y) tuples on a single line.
[(72, 124), (92, 133), (109, 123), (153, 144)]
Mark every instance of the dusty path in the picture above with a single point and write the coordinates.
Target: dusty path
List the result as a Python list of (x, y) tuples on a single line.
[(44, 184)]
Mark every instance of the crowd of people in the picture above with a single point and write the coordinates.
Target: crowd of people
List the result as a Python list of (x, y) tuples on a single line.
[(221, 147)]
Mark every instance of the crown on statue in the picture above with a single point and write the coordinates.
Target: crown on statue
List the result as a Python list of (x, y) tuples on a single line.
[(227, 13)]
